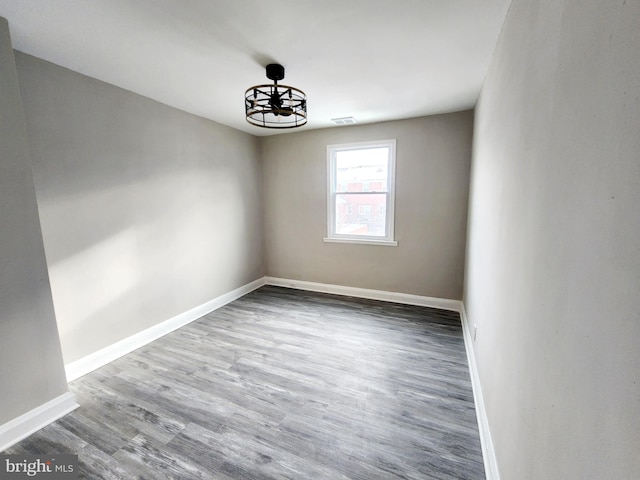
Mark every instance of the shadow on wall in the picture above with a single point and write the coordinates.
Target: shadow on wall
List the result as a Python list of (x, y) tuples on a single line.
[(128, 257), (146, 211)]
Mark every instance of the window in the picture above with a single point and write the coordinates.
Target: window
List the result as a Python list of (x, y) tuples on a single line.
[(364, 210), (361, 192)]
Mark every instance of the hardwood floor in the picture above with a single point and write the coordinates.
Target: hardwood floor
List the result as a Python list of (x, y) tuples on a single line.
[(281, 384)]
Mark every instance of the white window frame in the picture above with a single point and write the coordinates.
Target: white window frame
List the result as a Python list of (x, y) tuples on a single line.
[(332, 236)]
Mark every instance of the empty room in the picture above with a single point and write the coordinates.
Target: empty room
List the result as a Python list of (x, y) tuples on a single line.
[(320, 240)]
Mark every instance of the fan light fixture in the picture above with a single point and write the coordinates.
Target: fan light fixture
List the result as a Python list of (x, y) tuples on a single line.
[(275, 106)]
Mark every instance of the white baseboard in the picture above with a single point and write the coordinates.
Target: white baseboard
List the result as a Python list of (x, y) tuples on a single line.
[(108, 354), (488, 452), (21, 427), (406, 298)]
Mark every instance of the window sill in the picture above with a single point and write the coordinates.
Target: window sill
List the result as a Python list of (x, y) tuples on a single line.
[(384, 243)]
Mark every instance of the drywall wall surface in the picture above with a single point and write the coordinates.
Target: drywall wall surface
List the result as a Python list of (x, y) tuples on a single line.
[(553, 269), (31, 368), (432, 174), (146, 211)]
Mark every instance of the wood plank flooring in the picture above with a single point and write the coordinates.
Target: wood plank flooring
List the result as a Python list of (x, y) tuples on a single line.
[(281, 384)]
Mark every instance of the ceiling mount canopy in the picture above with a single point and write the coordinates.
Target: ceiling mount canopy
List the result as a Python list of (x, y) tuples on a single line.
[(275, 106)]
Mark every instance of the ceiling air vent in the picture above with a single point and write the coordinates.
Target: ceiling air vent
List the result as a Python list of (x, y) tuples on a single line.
[(343, 120)]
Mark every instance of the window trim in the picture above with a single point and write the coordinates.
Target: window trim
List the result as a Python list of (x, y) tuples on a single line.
[(332, 236)]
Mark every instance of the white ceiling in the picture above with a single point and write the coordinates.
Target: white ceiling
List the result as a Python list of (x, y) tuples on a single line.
[(374, 60)]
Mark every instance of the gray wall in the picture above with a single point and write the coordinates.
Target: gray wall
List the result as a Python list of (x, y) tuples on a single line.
[(31, 369), (553, 274), (432, 179), (146, 211)]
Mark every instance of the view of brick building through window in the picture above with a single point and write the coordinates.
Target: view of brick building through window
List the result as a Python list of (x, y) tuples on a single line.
[(362, 179)]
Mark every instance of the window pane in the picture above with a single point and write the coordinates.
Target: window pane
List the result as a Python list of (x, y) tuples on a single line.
[(361, 214), (362, 170)]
